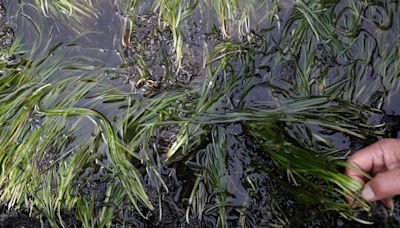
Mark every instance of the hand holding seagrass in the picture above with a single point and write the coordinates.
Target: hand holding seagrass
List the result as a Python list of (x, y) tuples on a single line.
[(382, 161)]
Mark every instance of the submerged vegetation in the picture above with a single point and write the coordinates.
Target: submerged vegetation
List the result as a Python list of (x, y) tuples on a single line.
[(195, 113)]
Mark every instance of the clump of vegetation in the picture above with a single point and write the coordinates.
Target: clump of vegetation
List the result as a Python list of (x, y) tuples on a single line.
[(128, 142)]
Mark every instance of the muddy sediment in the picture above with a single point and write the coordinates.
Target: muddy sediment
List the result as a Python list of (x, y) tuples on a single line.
[(7, 35), (151, 57)]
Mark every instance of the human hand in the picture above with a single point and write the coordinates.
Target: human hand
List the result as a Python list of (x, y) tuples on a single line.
[(382, 161)]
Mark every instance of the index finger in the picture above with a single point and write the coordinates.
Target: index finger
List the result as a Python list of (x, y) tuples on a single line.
[(380, 156)]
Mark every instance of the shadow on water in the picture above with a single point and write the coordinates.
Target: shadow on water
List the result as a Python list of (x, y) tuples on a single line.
[(143, 65)]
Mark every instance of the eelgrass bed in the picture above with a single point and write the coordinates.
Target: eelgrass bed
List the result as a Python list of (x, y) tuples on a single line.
[(207, 113)]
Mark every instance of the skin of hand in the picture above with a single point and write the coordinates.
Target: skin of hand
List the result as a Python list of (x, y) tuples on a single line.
[(382, 161)]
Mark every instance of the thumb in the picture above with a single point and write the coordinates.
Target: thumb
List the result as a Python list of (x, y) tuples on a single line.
[(382, 186)]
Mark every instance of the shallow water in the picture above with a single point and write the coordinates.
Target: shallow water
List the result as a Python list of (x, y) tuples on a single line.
[(95, 49)]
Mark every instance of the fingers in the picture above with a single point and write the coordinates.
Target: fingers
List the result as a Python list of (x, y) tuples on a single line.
[(384, 185), (389, 203), (379, 157)]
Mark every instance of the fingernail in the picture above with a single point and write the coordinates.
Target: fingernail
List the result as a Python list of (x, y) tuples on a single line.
[(367, 193)]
